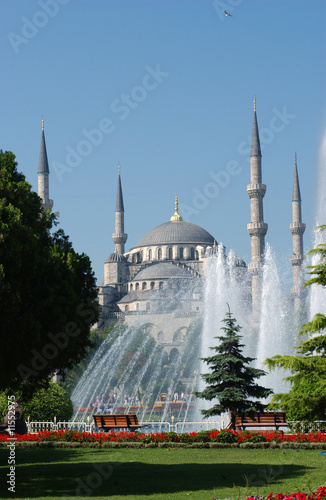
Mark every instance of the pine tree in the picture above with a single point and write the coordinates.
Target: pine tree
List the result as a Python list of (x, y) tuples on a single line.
[(231, 380)]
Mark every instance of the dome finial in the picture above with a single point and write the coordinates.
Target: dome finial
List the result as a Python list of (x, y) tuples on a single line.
[(119, 168), (255, 103), (42, 122), (214, 245), (176, 216), (295, 159)]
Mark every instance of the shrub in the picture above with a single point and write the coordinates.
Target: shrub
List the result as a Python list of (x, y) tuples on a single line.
[(49, 403), (226, 437)]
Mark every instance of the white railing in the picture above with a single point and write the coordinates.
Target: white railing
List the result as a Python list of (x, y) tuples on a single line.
[(38, 426)]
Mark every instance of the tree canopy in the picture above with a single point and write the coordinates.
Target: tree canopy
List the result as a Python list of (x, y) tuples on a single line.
[(307, 398), (231, 380), (48, 294)]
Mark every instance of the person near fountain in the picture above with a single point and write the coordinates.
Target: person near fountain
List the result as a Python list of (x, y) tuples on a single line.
[(20, 424)]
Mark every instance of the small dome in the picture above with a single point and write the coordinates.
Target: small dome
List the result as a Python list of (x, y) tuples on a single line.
[(116, 257), (164, 270), (239, 262), (176, 232)]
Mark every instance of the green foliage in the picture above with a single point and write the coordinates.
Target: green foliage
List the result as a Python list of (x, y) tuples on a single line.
[(49, 403), (307, 398), (257, 438), (231, 381), (48, 293), (44, 405), (226, 437)]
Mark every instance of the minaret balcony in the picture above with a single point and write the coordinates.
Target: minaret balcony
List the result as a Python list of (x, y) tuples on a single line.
[(296, 260), (255, 267), (257, 228), (119, 238), (256, 190), (297, 228)]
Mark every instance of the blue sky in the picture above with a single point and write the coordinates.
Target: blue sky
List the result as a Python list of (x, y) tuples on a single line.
[(166, 88)]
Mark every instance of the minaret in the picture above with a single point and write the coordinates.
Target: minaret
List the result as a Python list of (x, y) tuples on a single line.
[(257, 227), (119, 237), (43, 174), (297, 229)]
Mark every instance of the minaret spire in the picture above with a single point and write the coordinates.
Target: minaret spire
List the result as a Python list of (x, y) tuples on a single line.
[(119, 237), (257, 228), (43, 173), (297, 229)]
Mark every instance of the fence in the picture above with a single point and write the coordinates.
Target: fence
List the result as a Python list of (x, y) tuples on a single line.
[(38, 426)]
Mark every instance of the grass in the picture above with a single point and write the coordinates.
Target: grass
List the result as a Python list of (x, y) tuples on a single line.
[(160, 474)]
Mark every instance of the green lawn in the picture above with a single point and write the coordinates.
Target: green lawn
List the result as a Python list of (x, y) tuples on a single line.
[(160, 474)]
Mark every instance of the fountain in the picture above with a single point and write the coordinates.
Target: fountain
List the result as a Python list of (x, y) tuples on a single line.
[(133, 370)]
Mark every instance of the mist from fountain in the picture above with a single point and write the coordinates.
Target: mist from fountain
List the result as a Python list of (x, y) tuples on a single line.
[(317, 294), (134, 368)]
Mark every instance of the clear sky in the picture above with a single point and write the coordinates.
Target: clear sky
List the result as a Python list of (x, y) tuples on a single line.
[(166, 88)]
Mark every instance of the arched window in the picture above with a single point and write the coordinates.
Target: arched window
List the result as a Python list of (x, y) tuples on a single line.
[(197, 255), (174, 354), (144, 285), (152, 285), (137, 307), (170, 254), (159, 253), (192, 253), (149, 254), (148, 306), (137, 286), (161, 285), (131, 286), (141, 256), (181, 252), (180, 334), (126, 308), (160, 337)]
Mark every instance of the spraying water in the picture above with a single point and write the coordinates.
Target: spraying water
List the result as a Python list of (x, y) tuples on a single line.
[(317, 293)]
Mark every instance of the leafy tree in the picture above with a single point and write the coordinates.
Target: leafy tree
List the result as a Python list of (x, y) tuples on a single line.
[(307, 398), (54, 401), (45, 404), (231, 380), (48, 294)]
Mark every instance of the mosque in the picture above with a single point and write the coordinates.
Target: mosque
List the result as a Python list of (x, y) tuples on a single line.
[(175, 253)]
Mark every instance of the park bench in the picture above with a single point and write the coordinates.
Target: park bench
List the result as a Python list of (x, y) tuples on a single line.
[(109, 422), (265, 419)]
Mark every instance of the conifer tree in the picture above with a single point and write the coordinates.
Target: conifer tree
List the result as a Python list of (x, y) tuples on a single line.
[(231, 380)]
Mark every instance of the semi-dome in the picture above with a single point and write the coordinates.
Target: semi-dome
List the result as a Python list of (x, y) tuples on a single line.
[(176, 232), (164, 270), (116, 257)]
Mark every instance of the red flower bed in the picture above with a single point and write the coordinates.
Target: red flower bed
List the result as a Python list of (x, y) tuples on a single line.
[(223, 436), (319, 494)]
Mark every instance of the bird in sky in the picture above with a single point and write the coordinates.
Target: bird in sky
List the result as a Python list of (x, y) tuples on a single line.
[(227, 13)]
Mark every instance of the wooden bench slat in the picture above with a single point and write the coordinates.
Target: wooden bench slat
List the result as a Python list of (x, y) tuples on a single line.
[(108, 422), (264, 419)]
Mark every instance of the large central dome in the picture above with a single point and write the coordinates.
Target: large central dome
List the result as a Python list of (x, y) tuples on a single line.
[(176, 232)]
